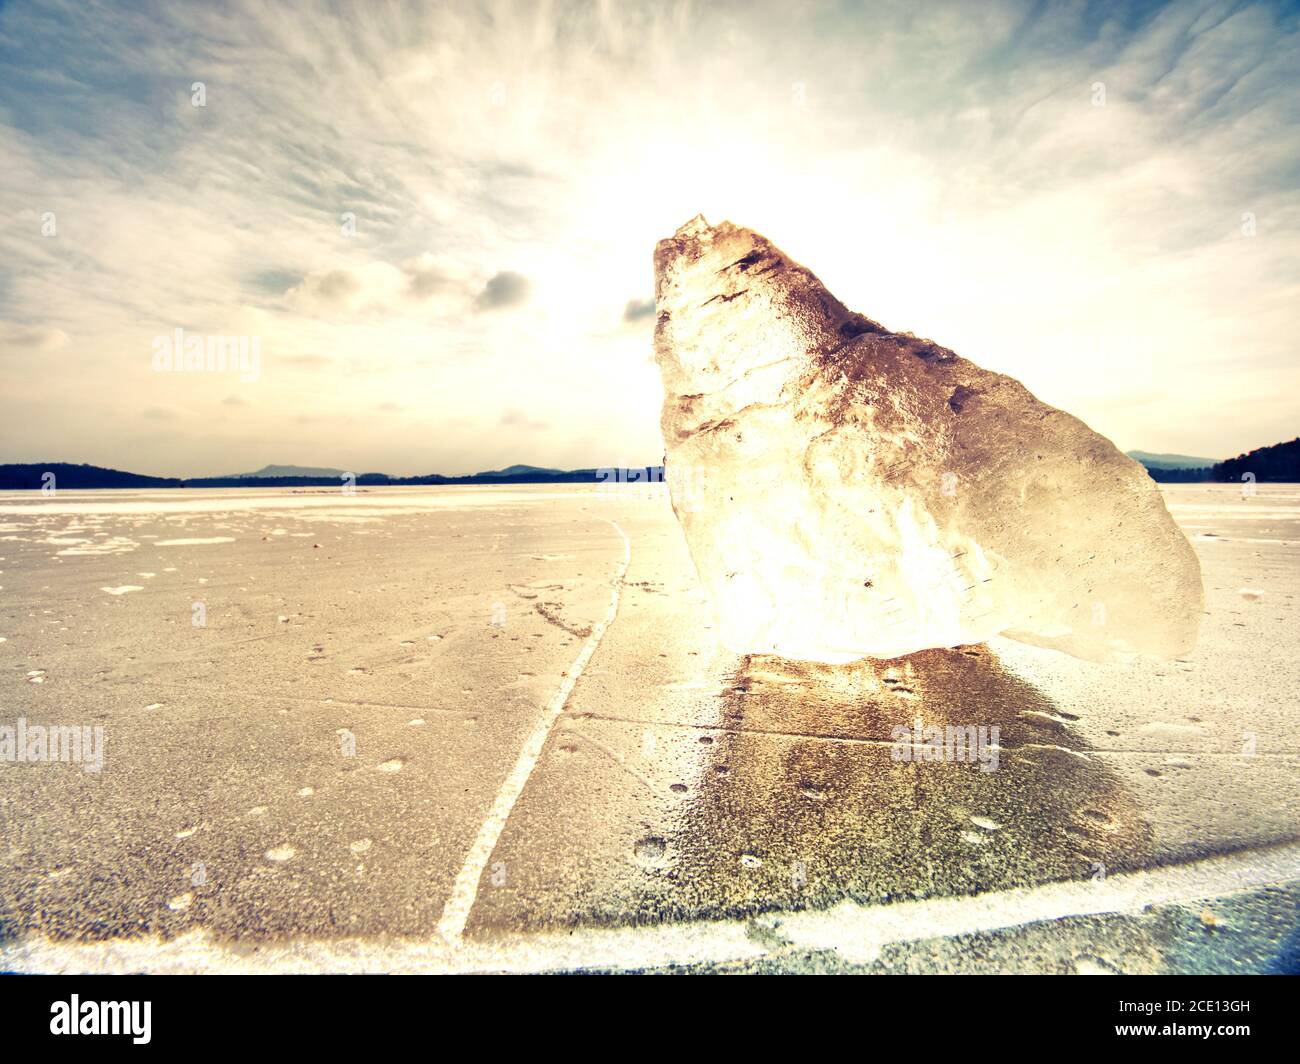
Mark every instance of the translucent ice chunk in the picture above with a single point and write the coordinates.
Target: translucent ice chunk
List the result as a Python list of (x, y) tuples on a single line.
[(848, 492)]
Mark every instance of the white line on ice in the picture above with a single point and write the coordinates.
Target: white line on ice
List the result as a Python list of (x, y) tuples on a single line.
[(465, 889)]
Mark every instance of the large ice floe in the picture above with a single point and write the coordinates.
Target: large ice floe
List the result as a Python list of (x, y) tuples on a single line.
[(850, 492)]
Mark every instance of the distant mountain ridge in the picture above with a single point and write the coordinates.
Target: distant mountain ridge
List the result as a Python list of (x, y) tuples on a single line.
[(1170, 461), (32, 476), (518, 470), (1173, 468), (36, 475), (286, 471), (1280, 462)]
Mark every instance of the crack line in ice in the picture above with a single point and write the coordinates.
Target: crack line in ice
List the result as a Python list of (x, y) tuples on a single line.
[(465, 890), (616, 757), (887, 744)]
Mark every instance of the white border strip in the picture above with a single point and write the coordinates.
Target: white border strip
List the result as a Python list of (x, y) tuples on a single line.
[(855, 932)]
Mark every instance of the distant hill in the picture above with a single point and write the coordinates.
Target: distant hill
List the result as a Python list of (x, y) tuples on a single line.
[(1170, 461), (1281, 462), (518, 470), (22, 477), (284, 471), (1173, 468), (25, 477)]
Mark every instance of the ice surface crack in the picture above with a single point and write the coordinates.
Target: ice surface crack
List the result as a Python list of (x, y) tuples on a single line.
[(456, 912)]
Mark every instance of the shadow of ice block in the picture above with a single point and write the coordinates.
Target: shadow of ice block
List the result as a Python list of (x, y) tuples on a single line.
[(802, 795)]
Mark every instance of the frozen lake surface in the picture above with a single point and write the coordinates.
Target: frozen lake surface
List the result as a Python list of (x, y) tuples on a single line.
[(468, 728)]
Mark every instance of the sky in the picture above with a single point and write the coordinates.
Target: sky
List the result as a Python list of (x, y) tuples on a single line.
[(434, 222)]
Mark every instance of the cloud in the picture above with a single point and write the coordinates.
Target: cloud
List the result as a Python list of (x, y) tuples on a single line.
[(160, 413), (430, 277), (234, 400), (34, 338), (275, 281), (377, 287), (514, 418), (336, 286), (337, 290), (505, 289), (639, 310)]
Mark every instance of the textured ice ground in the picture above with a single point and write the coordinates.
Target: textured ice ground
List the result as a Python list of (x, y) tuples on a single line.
[(399, 693)]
